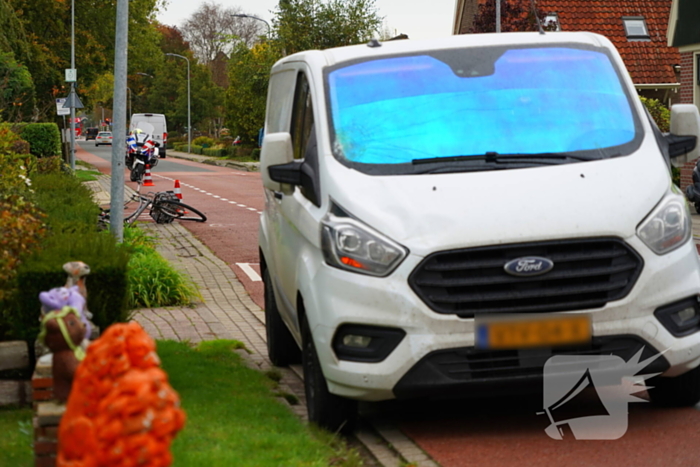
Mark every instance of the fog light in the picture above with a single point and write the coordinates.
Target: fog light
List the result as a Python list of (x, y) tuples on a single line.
[(352, 340), (681, 318), (363, 343)]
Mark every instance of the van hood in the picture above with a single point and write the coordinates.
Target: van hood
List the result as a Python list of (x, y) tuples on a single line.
[(428, 213)]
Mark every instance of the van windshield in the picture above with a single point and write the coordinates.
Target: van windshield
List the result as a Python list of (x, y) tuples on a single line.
[(480, 109)]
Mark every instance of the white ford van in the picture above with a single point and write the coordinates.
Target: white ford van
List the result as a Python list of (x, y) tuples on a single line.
[(160, 126), (443, 216)]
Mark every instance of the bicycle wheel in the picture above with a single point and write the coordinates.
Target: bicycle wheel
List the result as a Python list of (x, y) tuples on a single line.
[(177, 210)]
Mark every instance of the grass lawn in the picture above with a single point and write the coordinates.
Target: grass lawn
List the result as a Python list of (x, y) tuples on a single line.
[(16, 439), (87, 175), (233, 418)]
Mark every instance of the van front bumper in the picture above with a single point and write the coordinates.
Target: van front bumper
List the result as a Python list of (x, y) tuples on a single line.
[(415, 366)]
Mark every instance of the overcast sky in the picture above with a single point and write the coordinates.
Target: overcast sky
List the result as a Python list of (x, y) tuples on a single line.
[(417, 18)]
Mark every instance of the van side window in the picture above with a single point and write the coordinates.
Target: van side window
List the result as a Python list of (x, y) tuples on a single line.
[(304, 137), (302, 117)]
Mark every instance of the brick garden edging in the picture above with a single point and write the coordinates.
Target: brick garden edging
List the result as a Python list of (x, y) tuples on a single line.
[(47, 414)]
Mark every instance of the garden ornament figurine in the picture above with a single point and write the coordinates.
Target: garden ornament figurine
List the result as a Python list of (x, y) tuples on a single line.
[(62, 331), (60, 297), (77, 272)]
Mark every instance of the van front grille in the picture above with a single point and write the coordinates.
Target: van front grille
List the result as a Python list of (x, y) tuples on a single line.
[(587, 273)]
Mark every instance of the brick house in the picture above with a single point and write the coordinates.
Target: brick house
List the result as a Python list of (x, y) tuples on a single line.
[(637, 28), (684, 33)]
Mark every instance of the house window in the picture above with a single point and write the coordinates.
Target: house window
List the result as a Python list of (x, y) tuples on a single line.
[(551, 22), (636, 28)]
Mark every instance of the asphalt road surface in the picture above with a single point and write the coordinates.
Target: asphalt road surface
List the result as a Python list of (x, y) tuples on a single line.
[(466, 432)]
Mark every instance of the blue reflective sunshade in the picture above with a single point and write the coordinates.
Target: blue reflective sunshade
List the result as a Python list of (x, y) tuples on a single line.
[(394, 110)]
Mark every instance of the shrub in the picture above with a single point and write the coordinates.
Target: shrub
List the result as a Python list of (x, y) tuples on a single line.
[(659, 112), (21, 229), (43, 270), (255, 154), (44, 139), (203, 141), (196, 149), (67, 202), (214, 152), (49, 165)]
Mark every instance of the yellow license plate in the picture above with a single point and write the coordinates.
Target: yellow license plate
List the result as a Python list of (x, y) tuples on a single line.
[(521, 333)]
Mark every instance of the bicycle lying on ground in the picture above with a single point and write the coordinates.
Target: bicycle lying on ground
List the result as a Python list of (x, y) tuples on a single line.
[(164, 208)]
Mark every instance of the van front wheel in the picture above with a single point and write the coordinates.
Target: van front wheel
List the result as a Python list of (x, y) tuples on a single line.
[(282, 349), (681, 391), (334, 413)]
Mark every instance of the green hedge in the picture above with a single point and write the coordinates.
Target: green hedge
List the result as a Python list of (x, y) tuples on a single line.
[(44, 139), (196, 149), (107, 283), (214, 152), (67, 202), (72, 236)]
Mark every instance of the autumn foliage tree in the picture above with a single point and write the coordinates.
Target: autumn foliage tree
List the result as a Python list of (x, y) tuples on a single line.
[(516, 16)]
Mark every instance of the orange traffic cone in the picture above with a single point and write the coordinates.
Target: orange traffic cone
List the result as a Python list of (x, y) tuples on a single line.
[(147, 180), (177, 191)]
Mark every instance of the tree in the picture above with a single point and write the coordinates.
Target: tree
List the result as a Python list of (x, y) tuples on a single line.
[(249, 74), (212, 29), (315, 24), (46, 24), (16, 90), (516, 16)]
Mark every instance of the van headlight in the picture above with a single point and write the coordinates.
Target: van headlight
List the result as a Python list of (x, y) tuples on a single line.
[(667, 227), (353, 246)]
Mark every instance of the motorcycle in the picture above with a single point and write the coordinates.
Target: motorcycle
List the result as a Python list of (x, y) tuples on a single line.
[(141, 151)]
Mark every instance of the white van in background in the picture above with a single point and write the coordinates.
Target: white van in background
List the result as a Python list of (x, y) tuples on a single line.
[(160, 134)]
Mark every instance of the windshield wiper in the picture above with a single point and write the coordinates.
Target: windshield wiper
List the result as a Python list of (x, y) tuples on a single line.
[(548, 158)]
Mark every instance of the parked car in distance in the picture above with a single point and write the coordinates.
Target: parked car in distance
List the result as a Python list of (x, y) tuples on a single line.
[(160, 129), (493, 220), (103, 137), (91, 133)]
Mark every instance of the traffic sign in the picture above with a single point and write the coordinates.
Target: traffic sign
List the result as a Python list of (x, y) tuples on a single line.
[(60, 110)]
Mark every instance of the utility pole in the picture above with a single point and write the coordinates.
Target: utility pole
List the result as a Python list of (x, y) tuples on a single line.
[(72, 85), (119, 121)]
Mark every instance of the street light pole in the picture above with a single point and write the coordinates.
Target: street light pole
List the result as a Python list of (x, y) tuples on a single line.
[(189, 121), (72, 85), (269, 30)]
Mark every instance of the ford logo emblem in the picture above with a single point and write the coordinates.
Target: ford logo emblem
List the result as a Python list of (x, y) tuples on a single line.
[(528, 266)]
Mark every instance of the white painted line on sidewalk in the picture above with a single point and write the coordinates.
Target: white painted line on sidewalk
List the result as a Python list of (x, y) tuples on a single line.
[(250, 272)]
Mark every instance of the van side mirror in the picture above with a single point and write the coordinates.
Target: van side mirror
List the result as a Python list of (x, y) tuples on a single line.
[(685, 131), (276, 150)]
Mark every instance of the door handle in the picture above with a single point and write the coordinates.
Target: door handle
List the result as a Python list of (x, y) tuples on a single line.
[(278, 194)]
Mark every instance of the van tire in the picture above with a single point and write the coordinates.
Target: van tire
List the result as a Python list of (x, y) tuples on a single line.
[(333, 413), (282, 349), (681, 391)]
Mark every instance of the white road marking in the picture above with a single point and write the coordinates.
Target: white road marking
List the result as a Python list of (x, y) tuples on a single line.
[(252, 209), (242, 206), (250, 272), (224, 199), (216, 196)]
